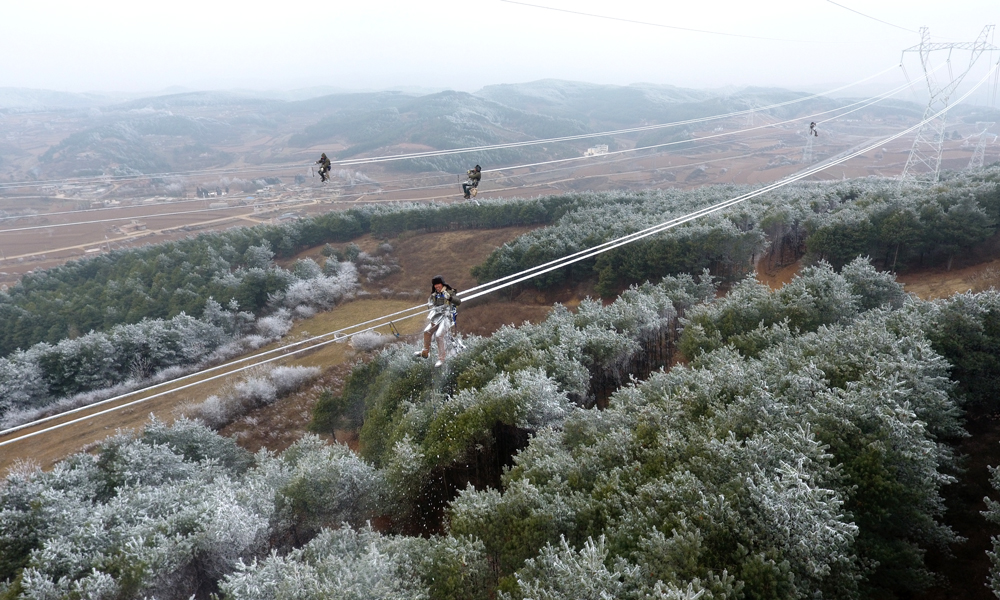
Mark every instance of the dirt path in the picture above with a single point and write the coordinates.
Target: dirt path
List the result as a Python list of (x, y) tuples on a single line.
[(147, 232), (774, 279), (939, 283)]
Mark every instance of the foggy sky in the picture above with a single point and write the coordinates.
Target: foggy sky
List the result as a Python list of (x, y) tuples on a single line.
[(376, 44)]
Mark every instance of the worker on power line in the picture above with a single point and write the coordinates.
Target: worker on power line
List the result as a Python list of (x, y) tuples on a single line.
[(812, 129), (324, 167), (469, 187), (443, 303)]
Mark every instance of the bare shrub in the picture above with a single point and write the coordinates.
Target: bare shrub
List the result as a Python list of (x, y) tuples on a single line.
[(366, 341), (255, 392), (304, 312), (276, 325), (290, 379), (213, 411), (375, 268), (985, 279), (323, 291), (258, 389)]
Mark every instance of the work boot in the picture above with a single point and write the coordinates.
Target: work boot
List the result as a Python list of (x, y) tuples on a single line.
[(422, 353)]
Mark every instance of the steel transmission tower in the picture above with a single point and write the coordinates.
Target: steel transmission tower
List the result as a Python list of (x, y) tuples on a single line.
[(925, 155), (976, 162)]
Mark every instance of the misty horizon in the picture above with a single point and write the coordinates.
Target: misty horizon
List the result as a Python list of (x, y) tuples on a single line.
[(451, 45), (10, 96)]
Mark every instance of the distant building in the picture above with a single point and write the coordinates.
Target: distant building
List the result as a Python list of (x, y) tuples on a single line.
[(596, 150), (131, 227)]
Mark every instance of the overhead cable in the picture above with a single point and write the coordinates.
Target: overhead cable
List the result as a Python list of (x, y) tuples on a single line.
[(871, 17)]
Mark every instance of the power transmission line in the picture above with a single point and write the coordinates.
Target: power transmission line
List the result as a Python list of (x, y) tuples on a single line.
[(871, 17)]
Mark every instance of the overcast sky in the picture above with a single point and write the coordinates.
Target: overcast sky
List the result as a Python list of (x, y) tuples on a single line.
[(100, 45)]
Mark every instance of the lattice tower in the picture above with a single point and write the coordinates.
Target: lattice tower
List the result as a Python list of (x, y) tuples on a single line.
[(979, 154), (925, 155)]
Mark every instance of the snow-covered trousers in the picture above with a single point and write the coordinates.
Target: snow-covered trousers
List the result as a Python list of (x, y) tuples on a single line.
[(438, 327)]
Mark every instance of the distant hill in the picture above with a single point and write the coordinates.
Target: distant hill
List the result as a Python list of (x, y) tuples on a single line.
[(35, 100), (600, 105), (439, 121), (213, 99), (93, 134)]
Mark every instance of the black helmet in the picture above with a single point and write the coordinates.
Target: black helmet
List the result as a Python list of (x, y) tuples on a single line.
[(478, 168)]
